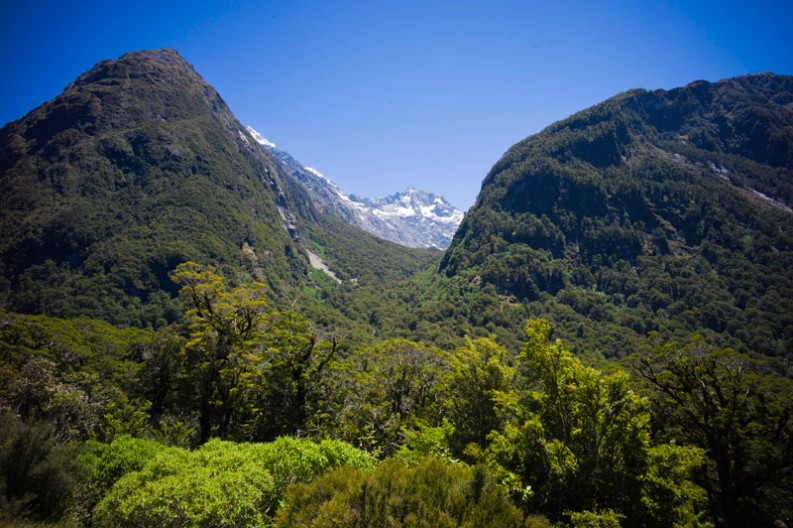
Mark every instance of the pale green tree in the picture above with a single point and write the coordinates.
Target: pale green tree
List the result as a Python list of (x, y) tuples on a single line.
[(220, 356)]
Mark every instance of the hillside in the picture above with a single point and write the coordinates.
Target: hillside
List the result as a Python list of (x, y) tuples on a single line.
[(653, 211)]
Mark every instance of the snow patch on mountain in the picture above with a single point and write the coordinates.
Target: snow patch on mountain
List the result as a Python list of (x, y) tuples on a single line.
[(316, 173), (260, 139), (413, 218)]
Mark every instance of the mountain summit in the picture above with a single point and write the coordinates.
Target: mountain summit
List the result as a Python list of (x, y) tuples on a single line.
[(137, 166), (413, 218)]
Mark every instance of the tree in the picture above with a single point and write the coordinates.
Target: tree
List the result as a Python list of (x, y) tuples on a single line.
[(37, 476), (225, 326), (669, 497), (479, 370), (293, 374), (381, 391), (740, 413), (579, 440), (259, 374)]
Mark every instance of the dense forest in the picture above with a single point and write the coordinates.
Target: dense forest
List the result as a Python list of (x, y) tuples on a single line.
[(247, 416), (606, 343)]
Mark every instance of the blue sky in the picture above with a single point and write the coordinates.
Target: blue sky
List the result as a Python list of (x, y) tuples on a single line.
[(382, 95)]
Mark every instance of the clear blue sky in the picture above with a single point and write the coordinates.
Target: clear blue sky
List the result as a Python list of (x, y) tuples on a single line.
[(382, 95)]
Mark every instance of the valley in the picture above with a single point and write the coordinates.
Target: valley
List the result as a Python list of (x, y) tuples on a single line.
[(191, 319)]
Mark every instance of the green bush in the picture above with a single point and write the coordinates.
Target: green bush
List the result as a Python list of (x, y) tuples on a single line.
[(106, 463), (291, 460), (433, 492), (221, 484), (595, 519), (36, 475)]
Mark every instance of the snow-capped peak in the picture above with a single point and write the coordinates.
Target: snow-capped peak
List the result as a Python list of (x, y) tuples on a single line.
[(412, 218), (260, 139)]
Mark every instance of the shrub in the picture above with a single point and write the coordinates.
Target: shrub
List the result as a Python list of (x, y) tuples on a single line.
[(433, 492), (221, 484), (36, 476)]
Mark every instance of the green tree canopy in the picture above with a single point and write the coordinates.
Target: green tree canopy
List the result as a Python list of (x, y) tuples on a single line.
[(225, 325), (578, 440), (740, 413)]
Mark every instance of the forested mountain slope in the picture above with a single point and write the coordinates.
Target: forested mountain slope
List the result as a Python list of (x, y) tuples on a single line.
[(137, 166), (654, 210)]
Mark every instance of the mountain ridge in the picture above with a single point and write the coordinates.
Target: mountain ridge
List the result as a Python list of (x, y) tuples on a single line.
[(412, 218), (103, 190), (138, 166), (665, 210)]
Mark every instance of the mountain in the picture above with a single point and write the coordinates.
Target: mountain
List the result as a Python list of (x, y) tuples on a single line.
[(137, 166), (412, 218), (660, 211), (654, 211)]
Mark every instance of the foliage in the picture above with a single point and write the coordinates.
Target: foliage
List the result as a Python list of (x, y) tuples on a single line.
[(479, 373), (644, 213), (650, 217), (292, 460), (224, 326), (220, 484), (366, 259), (432, 492), (78, 374), (669, 497), (576, 438), (380, 392), (256, 375), (139, 165), (579, 440), (106, 463), (739, 413), (37, 476), (427, 441), (595, 519), (294, 375)]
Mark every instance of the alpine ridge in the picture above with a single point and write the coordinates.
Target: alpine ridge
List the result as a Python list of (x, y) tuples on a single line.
[(654, 211), (412, 218)]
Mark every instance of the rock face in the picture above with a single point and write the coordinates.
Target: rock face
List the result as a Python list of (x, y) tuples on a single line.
[(137, 166), (412, 218), (654, 210)]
